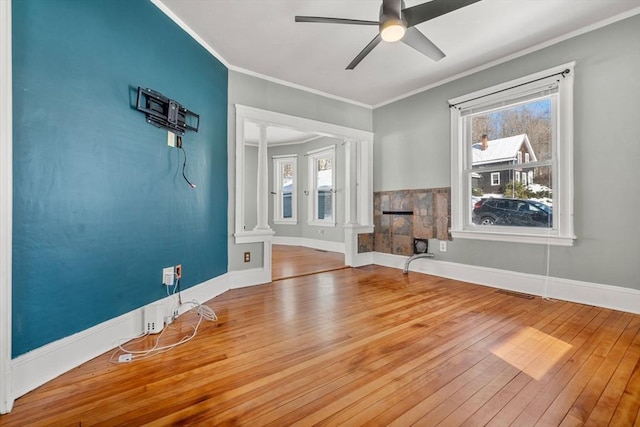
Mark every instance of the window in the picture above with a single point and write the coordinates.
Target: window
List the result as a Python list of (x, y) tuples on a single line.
[(284, 186), (490, 130), (322, 183)]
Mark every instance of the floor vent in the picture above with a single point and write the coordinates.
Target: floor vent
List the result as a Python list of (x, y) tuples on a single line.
[(515, 294)]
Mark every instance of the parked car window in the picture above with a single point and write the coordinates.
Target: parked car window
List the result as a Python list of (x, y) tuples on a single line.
[(512, 212)]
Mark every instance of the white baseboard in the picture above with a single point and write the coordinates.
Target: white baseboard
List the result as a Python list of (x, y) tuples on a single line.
[(599, 295), (43, 364), (360, 260), (244, 278), (39, 366), (323, 245)]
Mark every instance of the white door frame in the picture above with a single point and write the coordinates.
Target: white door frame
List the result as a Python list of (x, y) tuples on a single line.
[(358, 179), (6, 206)]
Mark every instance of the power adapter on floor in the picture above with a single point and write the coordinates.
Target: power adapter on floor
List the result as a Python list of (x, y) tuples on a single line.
[(125, 358)]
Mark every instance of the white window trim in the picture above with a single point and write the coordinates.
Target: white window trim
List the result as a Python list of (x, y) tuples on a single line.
[(278, 161), (314, 155), (495, 182), (563, 232)]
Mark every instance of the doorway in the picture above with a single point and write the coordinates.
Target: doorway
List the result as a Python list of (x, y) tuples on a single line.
[(329, 214), (293, 261)]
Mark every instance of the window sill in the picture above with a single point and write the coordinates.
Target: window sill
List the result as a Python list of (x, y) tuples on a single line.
[(507, 236), (284, 222)]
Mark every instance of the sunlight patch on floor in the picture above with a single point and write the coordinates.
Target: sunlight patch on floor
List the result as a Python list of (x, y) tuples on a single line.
[(532, 352)]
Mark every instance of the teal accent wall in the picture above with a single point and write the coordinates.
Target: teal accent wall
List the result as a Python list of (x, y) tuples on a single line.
[(100, 205)]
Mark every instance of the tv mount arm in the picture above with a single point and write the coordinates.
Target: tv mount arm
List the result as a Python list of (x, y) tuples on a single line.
[(166, 113)]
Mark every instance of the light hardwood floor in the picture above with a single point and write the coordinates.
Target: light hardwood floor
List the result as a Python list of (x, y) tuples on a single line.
[(292, 261), (366, 346)]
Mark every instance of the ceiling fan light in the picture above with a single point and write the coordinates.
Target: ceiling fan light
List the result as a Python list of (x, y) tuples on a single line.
[(392, 30)]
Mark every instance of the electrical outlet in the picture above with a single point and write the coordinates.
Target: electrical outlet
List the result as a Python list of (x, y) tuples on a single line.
[(171, 139), (443, 246), (247, 257), (178, 271), (168, 276)]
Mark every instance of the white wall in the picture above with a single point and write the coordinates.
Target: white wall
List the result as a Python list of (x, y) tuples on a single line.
[(259, 93), (412, 150)]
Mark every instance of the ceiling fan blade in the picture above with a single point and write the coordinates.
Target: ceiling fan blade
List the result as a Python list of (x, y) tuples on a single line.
[(422, 44), (320, 19), (423, 12), (368, 48)]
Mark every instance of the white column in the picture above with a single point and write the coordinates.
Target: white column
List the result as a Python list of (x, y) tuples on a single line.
[(263, 179), (351, 181)]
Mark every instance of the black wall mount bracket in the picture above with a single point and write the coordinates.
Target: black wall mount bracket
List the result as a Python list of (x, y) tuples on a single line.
[(166, 113)]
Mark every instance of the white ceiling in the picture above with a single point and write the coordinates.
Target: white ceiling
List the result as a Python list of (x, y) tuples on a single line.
[(260, 37)]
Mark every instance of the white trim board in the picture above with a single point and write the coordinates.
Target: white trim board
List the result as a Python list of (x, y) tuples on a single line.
[(43, 364), (6, 201), (323, 245), (39, 366), (599, 295)]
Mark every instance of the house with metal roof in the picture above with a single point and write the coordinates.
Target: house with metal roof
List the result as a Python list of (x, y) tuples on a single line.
[(491, 156)]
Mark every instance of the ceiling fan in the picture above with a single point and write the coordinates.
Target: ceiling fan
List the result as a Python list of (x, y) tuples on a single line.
[(398, 22)]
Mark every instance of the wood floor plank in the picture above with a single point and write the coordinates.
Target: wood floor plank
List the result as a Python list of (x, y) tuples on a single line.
[(359, 399), (624, 413), (539, 393), (584, 404), (429, 353), (514, 388), (364, 346), (560, 392), (405, 394), (294, 261), (464, 411), (508, 351)]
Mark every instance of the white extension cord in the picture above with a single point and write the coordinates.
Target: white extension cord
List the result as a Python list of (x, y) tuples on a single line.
[(129, 355)]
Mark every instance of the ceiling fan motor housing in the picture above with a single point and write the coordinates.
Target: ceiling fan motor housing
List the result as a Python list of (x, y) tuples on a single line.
[(392, 26)]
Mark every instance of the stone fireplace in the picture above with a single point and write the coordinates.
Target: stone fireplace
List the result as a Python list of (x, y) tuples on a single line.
[(402, 215)]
